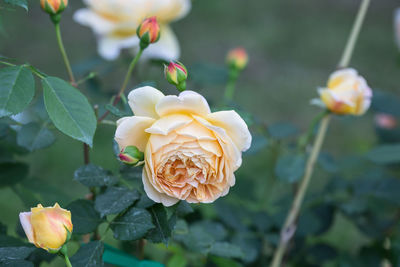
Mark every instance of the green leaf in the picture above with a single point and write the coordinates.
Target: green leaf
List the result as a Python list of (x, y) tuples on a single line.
[(133, 225), (69, 110), (290, 167), (116, 111), (183, 208), (16, 263), (34, 136), (197, 240), (17, 88), (162, 230), (281, 130), (15, 253), (226, 250), (91, 175), (20, 3), (385, 154), (12, 173), (115, 200), (177, 260), (89, 255), (84, 217)]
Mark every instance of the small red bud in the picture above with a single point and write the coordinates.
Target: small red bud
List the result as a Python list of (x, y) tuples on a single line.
[(148, 32), (176, 74), (53, 7)]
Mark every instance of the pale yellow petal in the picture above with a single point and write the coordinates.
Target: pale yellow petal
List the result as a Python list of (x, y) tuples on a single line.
[(143, 101), (131, 132)]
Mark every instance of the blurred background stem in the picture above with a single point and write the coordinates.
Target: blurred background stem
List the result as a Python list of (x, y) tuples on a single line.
[(289, 228), (231, 85), (125, 83)]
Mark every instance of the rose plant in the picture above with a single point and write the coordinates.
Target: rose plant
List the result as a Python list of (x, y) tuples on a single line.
[(185, 175)]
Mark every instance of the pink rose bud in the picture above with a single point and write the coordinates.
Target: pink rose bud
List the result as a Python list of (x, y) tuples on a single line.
[(131, 155), (48, 228), (53, 7), (237, 58), (148, 32), (385, 121), (176, 74)]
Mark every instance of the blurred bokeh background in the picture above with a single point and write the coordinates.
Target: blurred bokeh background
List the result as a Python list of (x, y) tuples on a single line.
[(293, 47)]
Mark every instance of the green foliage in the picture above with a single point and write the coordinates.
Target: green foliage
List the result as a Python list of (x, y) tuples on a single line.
[(133, 225), (163, 226), (89, 255), (290, 167), (91, 175), (385, 154), (84, 217), (69, 110), (17, 88), (115, 200), (34, 136), (12, 173), (20, 3)]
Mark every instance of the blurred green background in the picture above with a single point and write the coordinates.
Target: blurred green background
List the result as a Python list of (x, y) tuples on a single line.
[(293, 47)]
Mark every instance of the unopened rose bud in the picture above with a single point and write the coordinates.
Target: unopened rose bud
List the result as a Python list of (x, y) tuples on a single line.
[(385, 121), (148, 32), (48, 228), (347, 93), (131, 155), (237, 58), (53, 7), (176, 74)]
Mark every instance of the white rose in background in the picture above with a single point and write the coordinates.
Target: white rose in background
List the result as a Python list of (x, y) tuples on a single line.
[(115, 23), (190, 153)]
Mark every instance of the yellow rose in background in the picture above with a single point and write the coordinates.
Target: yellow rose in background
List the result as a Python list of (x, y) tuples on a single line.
[(190, 153), (115, 23), (47, 227), (346, 93)]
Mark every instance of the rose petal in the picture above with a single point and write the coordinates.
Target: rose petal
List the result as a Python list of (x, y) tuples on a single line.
[(169, 123), (25, 219), (234, 126), (154, 195), (187, 102), (131, 132), (143, 101), (340, 76)]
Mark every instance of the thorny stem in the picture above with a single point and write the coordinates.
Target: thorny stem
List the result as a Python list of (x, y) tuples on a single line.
[(289, 227)]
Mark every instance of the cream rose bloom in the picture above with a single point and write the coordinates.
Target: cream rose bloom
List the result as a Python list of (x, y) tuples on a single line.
[(115, 23), (346, 93), (190, 153)]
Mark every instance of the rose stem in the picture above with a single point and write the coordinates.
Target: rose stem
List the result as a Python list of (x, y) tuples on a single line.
[(289, 227)]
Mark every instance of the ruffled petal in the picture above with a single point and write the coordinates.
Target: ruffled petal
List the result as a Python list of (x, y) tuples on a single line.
[(234, 126), (131, 132), (143, 101), (187, 102), (169, 123), (154, 194)]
